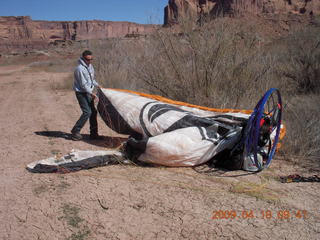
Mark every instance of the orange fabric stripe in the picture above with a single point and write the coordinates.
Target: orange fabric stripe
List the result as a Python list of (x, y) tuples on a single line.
[(283, 131), (167, 100)]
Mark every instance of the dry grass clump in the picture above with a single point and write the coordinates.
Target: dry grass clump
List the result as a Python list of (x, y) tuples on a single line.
[(302, 115), (115, 62), (298, 69), (299, 54), (204, 65)]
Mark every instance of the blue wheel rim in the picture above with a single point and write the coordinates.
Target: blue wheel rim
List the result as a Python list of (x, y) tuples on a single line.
[(252, 130)]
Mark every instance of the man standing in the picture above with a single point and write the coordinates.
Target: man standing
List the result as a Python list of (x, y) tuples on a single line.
[(84, 83)]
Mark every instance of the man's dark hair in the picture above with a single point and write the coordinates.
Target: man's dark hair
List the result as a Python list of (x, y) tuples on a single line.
[(86, 53)]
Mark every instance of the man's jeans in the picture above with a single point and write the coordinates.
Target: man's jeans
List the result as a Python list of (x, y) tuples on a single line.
[(88, 111)]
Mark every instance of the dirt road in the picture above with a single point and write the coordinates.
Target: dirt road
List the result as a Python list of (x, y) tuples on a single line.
[(123, 201)]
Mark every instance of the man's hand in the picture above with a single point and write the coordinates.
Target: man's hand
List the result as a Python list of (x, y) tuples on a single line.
[(95, 97)]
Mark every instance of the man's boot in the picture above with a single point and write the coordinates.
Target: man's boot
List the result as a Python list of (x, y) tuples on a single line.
[(76, 136)]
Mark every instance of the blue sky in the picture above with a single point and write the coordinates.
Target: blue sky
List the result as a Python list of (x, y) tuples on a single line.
[(140, 11)]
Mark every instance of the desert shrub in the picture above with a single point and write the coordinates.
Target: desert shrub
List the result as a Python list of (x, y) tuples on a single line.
[(216, 65), (302, 115), (115, 61), (300, 61), (298, 68)]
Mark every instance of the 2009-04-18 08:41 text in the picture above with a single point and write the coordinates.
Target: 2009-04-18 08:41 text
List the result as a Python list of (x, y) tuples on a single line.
[(262, 214)]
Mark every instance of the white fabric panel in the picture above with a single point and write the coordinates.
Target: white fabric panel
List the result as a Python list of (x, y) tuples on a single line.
[(128, 105), (188, 146), (185, 147)]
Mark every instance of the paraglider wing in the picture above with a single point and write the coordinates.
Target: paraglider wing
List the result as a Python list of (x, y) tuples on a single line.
[(167, 133)]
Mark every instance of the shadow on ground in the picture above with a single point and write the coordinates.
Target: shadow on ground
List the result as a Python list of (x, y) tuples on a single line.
[(106, 141), (210, 169)]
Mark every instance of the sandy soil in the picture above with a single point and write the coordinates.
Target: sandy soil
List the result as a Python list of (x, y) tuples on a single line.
[(127, 201)]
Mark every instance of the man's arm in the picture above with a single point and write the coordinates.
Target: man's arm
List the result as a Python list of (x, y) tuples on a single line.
[(95, 83), (83, 82)]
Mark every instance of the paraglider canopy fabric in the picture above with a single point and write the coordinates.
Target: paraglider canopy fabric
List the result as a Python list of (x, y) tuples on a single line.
[(170, 133)]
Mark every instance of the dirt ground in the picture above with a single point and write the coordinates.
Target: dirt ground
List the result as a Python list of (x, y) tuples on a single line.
[(127, 201)]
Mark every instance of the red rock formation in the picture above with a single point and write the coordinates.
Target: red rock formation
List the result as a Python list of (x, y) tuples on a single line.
[(22, 32), (195, 9)]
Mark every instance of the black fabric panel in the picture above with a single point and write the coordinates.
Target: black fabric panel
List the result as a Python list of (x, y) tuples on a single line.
[(159, 109), (227, 161), (230, 117), (134, 148), (222, 131), (41, 168), (96, 161), (212, 133), (237, 121), (87, 163), (111, 116), (191, 121), (143, 125)]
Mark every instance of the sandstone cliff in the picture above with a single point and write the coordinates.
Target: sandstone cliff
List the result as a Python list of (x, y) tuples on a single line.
[(23, 32), (195, 9)]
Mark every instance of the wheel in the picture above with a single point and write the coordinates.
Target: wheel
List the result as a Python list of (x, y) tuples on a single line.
[(262, 132)]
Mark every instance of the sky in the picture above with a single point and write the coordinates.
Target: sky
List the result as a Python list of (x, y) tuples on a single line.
[(139, 11)]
